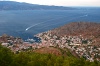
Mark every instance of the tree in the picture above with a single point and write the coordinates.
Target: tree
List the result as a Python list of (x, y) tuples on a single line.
[(5, 56), (20, 59)]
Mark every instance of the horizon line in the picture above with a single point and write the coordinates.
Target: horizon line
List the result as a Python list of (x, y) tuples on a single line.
[(55, 5)]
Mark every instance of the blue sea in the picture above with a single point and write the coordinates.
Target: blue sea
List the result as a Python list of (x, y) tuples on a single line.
[(27, 23)]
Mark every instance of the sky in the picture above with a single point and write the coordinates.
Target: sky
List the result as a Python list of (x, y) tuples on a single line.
[(63, 2)]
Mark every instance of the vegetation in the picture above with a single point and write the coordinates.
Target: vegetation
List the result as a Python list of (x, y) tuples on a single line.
[(7, 58)]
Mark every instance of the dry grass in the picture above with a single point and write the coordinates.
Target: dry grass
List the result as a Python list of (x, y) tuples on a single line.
[(48, 50)]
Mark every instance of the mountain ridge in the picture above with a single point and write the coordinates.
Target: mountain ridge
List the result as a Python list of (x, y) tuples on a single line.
[(75, 28), (89, 30), (12, 5)]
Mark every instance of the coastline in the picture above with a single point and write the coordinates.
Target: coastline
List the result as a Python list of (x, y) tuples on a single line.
[(78, 45)]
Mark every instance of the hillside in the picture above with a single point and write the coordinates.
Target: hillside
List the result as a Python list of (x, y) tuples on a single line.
[(82, 39), (11, 5), (7, 58), (78, 28), (84, 29), (49, 50)]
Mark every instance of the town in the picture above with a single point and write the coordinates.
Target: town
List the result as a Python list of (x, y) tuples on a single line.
[(83, 47)]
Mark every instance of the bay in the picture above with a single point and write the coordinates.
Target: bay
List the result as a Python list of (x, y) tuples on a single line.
[(26, 23)]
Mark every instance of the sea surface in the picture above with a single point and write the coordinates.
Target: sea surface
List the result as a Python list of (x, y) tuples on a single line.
[(27, 23)]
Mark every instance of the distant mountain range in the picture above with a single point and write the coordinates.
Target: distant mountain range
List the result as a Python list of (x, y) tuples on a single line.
[(12, 5)]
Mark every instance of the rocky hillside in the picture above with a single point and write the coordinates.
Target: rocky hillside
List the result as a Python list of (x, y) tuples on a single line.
[(85, 29)]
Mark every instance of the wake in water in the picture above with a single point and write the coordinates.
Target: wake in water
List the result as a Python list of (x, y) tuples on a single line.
[(41, 23), (33, 26), (51, 20), (67, 20)]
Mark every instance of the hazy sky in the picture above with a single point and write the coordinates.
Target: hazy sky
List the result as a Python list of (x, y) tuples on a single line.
[(64, 2)]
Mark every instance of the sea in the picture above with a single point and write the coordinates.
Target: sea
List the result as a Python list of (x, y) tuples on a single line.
[(27, 23)]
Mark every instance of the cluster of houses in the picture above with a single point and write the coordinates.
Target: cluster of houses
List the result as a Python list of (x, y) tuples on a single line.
[(16, 44), (83, 47), (9, 40)]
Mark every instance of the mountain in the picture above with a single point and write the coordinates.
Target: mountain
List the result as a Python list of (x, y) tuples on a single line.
[(11, 5), (88, 30), (78, 28)]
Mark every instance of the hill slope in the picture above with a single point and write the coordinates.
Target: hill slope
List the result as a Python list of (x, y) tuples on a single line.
[(82, 39), (78, 28), (49, 50), (11, 5), (84, 29)]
